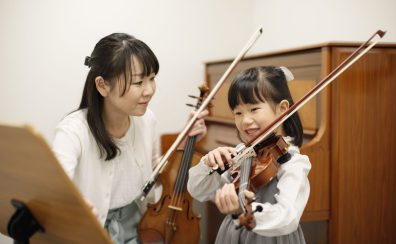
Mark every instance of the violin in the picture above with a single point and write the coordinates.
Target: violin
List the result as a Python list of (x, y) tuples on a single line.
[(171, 219), (257, 171)]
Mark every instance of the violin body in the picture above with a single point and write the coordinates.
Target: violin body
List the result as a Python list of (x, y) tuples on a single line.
[(265, 166), (171, 219), (263, 173)]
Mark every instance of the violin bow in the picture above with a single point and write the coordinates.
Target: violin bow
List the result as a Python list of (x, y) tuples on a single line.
[(164, 160), (356, 55)]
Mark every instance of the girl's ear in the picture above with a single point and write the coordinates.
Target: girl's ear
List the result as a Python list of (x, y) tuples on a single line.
[(282, 106), (101, 86)]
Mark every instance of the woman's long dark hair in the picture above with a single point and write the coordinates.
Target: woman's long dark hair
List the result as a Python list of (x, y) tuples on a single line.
[(265, 84), (112, 57)]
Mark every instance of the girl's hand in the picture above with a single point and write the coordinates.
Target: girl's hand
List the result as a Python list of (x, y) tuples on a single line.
[(220, 156), (227, 200), (250, 195), (199, 128)]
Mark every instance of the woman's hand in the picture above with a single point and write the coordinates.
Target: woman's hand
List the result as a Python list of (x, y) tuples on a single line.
[(199, 128), (92, 207), (219, 157)]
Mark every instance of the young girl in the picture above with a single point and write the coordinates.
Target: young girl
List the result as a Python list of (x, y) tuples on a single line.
[(108, 146), (256, 97)]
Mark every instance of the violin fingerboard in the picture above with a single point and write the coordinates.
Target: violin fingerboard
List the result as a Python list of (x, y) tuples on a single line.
[(245, 170)]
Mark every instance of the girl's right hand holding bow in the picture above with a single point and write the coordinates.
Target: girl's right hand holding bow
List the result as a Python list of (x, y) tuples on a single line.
[(219, 157)]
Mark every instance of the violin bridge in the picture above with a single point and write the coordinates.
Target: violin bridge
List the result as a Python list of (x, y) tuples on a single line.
[(175, 208)]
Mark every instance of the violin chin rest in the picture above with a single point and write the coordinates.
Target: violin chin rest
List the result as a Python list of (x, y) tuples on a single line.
[(284, 158)]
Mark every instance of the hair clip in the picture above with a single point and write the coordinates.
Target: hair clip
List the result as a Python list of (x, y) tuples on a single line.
[(288, 74), (87, 61)]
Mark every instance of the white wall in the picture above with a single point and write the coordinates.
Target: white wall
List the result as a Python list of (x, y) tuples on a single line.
[(291, 23), (43, 44)]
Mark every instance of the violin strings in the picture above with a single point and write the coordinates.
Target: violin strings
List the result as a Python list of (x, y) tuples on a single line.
[(185, 164), (189, 147), (183, 170), (244, 179), (186, 167), (177, 183)]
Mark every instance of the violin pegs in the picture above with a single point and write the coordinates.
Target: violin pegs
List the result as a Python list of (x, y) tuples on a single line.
[(192, 96), (190, 105)]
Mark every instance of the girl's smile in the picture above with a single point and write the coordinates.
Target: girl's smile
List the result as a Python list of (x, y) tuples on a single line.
[(252, 132), (251, 118)]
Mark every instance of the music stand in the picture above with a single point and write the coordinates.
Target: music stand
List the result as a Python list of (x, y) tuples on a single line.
[(32, 179)]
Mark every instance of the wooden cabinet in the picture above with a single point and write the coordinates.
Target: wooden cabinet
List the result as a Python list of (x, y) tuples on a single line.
[(349, 135)]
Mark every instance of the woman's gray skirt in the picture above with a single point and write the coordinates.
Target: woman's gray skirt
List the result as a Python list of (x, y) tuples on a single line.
[(122, 224)]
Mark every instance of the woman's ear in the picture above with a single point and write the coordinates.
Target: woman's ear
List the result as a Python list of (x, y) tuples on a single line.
[(101, 86), (282, 106)]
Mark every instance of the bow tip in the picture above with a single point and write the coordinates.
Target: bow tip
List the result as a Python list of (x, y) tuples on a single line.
[(381, 33)]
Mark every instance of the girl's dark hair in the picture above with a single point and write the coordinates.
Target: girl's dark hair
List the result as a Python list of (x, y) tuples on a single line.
[(265, 84), (111, 58)]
